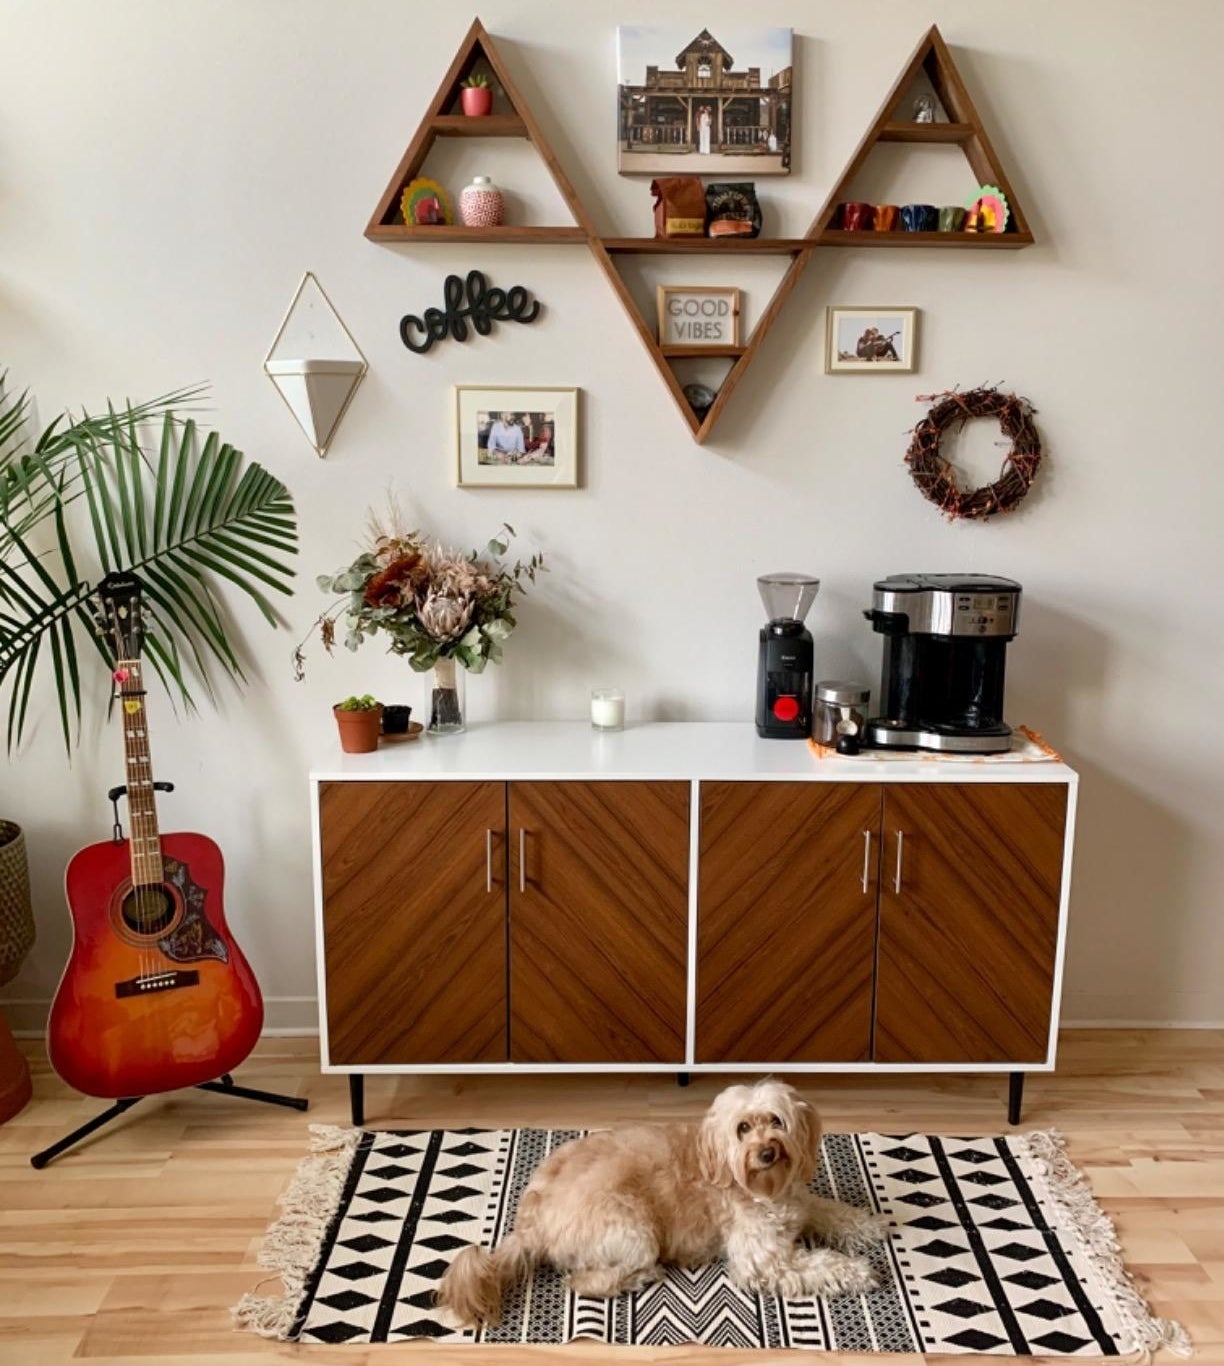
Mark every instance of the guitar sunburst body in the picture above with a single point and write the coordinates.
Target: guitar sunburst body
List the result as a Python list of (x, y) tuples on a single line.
[(156, 995)]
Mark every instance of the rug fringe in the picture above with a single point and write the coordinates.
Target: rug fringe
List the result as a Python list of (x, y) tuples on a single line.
[(292, 1245), (1070, 1191)]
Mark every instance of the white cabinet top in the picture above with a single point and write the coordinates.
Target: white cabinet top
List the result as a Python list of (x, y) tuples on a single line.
[(664, 749)]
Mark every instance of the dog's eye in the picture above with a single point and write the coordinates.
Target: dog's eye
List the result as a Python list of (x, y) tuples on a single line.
[(776, 1123), (743, 1129)]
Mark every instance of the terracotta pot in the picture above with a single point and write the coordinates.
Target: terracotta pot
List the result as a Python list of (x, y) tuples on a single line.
[(476, 99), (14, 1074), (359, 730)]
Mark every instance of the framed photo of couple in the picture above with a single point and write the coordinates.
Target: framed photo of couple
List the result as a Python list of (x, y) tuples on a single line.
[(510, 437), (871, 341)]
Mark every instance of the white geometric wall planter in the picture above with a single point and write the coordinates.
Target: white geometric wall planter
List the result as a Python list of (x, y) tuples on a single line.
[(315, 363)]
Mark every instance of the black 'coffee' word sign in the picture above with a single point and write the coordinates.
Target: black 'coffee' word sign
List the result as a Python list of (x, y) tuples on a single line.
[(463, 299)]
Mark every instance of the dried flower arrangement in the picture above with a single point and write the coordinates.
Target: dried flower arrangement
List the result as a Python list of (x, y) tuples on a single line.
[(438, 607)]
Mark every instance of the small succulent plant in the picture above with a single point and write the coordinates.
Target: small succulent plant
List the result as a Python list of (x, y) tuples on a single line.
[(476, 81), (366, 703)]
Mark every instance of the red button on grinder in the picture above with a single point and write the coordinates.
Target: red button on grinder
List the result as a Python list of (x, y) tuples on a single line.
[(786, 708)]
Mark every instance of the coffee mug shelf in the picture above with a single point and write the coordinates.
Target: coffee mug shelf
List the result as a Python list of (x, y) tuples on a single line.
[(931, 61), (990, 241)]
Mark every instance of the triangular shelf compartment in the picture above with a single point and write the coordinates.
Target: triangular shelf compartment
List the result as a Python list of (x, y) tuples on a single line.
[(933, 61), (315, 363), (700, 425), (477, 51)]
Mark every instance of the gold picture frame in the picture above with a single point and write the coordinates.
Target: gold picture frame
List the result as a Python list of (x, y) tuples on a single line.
[(864, 341), (516, 436)]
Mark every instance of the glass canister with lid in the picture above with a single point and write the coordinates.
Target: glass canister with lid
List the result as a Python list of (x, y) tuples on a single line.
[(841, 709)]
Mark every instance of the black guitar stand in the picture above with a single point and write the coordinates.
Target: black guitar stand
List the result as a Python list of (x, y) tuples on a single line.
[(226, 1086)]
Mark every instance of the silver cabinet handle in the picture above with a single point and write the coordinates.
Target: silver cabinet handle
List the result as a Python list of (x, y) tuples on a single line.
[(522, 859), (900, 848), (488, 860), (866, 857)]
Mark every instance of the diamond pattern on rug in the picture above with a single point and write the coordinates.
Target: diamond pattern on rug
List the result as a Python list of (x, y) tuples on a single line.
[(951, 1279)]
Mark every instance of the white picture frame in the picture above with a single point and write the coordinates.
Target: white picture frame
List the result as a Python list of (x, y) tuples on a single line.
[(512, 436), (871, 341)]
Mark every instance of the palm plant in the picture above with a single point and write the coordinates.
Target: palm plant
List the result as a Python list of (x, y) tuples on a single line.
[(96, 494)]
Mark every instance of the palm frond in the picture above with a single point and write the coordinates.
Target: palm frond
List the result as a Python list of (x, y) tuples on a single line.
[(183, 518)]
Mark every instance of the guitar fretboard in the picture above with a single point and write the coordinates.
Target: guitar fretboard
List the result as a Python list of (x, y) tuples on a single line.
[(147, 868)]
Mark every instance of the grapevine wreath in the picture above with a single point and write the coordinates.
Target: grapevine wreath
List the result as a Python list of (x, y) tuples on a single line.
[(936, 476)]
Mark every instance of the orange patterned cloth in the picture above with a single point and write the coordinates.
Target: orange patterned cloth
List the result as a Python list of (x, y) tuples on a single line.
[(1028, 747)]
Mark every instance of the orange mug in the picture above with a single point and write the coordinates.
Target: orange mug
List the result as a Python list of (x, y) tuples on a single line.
[(886, 217)]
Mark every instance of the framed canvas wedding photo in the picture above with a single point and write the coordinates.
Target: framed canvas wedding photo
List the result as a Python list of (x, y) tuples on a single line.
[(871, 341), (509, 437)]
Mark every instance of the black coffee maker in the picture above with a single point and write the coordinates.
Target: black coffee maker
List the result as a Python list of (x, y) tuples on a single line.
[(945, 647), (784, 660)]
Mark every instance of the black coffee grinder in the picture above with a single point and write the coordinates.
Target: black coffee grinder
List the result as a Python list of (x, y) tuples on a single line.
[(784, 662)]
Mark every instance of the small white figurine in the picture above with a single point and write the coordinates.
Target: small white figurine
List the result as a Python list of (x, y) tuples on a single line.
[(924, 109)]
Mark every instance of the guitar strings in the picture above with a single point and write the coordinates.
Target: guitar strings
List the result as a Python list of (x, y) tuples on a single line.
[(147, 899)]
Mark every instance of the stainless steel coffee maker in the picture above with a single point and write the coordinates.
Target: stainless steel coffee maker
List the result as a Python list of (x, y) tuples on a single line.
[(945, 650)]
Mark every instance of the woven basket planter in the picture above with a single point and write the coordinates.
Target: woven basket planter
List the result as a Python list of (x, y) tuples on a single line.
[(16, 912)]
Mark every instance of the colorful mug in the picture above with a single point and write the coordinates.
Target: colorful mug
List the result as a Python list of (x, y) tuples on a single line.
[(919, 217), (857, 217), (886, 217), (951, 218)]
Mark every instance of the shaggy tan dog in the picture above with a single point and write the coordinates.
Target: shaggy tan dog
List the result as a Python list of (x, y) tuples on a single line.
[(612, 1209)]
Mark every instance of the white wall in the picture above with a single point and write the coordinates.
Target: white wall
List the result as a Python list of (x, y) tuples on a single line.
[(168, 168)]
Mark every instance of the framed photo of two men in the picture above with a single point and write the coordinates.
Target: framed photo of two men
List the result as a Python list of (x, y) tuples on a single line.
[(507, 436)]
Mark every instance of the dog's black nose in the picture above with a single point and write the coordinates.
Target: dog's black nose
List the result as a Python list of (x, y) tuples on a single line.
[(767, 1155)]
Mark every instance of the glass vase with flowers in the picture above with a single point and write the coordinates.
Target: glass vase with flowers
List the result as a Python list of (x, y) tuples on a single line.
[(446, 612)]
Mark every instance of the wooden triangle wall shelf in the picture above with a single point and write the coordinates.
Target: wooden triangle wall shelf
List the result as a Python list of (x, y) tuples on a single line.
[(931, 59)]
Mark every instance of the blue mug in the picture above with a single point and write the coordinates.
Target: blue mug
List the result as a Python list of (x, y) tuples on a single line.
[(920, 217)]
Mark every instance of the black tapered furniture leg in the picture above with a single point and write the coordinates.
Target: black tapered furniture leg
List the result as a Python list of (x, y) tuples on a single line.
[(357, 1098), (1015, 1095), (682, 1078), (40, 1160)]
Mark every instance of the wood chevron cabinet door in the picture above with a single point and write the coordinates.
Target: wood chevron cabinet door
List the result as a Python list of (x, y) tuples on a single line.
[(414, 921), (969, 897), (786, 921), (598, 921)]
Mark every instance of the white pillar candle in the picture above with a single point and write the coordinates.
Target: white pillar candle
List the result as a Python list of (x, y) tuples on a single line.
[(608, 709)]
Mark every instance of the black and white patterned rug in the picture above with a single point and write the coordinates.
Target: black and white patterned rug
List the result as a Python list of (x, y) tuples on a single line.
[(995, 1246)]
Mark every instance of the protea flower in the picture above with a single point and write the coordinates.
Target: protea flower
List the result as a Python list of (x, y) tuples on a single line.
[(444, 617)]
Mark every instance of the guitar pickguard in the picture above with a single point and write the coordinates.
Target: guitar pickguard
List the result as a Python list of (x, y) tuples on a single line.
[(193, 937)]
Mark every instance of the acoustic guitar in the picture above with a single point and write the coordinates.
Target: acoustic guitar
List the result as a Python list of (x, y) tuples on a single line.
[(156, 994)]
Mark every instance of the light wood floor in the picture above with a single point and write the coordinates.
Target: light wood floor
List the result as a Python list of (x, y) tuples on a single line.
[(132, 1248)]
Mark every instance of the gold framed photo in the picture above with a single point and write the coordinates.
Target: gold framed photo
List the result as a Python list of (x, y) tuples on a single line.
[(508, 437), (871, 341), (696, 318)]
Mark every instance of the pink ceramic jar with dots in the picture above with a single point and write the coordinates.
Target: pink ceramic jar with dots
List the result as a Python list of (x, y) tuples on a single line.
[(481, 204)]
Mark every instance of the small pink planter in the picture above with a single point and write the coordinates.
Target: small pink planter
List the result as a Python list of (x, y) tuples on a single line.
[(476, 100)]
